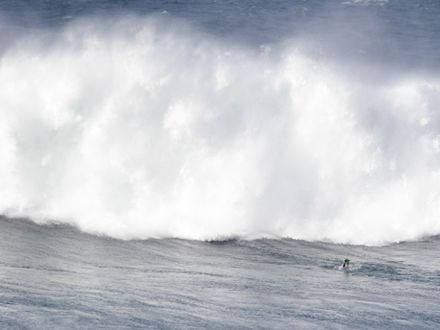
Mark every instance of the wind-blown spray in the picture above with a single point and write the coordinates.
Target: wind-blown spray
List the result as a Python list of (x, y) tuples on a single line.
[(145, 132)]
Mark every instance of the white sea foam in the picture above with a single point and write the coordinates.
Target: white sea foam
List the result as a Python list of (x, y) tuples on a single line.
[(139, 131), (365, 2)]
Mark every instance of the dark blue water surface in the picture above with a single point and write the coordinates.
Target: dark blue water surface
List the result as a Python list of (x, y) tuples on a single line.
[(54, 277), (405, 31)]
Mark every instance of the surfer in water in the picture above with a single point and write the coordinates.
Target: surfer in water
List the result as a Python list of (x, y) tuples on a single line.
[(346, 264)]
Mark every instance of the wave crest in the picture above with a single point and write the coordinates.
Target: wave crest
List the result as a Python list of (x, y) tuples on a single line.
[(142, 132)]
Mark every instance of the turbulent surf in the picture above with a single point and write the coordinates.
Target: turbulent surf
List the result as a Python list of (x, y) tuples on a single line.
[(216, 164), (148, 126)]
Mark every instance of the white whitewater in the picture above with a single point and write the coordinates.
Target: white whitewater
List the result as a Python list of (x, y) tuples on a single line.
[(140, 131)]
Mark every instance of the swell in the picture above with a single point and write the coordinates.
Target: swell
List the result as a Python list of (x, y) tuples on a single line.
[(140, 131)]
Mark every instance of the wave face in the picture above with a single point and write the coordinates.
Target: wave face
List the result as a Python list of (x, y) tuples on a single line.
[(139, 131)]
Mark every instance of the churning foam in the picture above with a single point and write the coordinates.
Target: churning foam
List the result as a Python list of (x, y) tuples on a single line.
[(138, 132)]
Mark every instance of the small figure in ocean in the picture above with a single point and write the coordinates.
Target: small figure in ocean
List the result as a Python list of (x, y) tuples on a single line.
[(346, 264)]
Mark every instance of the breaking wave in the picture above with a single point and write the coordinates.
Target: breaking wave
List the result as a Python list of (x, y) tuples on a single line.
[(137, 131)]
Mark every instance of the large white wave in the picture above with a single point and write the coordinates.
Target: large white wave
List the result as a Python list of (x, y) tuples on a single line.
[(138, 131)]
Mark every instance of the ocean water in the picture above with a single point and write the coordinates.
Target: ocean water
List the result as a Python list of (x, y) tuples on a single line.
[(57, 277), (209, 164)]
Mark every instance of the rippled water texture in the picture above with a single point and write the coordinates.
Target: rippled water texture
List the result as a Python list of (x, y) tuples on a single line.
[(57, 277)]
